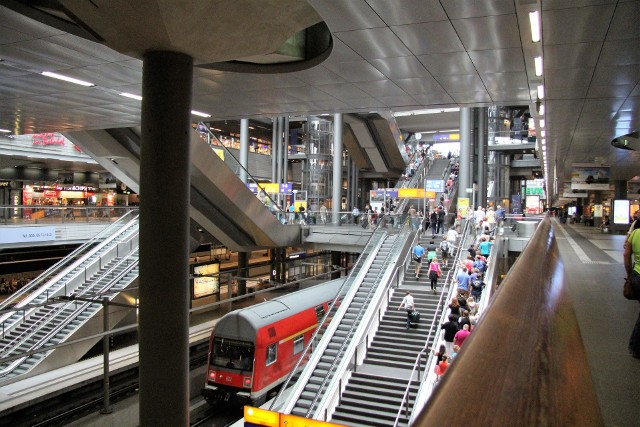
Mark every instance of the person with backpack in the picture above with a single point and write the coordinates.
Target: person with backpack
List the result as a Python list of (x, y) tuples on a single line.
[(417, 253), (444, 251)]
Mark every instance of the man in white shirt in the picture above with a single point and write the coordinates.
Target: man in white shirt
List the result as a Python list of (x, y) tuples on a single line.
[(355, 214), (407, 303)]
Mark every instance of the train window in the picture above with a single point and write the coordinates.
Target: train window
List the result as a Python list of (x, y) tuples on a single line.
[(319, 312), (232, 354), (272, 353), (298, 344)]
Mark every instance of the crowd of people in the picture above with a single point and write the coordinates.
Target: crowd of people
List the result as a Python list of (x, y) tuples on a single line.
[(9, 286)]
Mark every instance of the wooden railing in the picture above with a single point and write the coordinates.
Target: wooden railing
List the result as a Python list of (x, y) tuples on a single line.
[(525, 363)]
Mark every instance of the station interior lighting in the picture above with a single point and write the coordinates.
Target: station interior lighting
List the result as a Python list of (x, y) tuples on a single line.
[(67, 79), (534, 20)]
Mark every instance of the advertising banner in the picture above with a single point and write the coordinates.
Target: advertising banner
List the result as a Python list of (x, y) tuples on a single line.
[(27, 234), (516, 205), (436, 185), (463, 207), (205, 285), (589, 177), (621, 212)]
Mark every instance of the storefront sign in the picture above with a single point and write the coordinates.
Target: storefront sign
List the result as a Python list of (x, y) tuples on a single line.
[(27, 234), (47, 139), (74, 188), (597, 211), (5, 184)]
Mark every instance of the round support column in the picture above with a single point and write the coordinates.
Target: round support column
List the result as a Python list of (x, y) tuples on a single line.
[(164, 239)]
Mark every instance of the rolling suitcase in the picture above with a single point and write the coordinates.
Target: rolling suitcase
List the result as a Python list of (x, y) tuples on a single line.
[(414, 317)]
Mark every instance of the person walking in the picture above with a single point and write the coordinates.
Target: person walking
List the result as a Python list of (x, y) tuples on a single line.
[(632, 267), (408, 304), (417, 253), (434, 273)]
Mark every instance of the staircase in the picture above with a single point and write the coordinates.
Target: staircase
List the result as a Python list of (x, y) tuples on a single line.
[(325, 369), (374, 393)]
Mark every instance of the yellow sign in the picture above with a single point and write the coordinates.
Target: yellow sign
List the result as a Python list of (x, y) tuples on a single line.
[(219, 152), (270, 188), (262, 417), (411, 193), (463, 207)]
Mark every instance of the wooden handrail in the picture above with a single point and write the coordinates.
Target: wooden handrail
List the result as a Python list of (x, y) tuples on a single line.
[(524, 364)]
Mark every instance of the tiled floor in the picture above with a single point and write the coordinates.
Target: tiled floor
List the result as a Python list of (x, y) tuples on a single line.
[(595, 273)]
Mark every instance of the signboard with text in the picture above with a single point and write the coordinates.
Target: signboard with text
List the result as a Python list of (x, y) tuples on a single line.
[(27, 234)]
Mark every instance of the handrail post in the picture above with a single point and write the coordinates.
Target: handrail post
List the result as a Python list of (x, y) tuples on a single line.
[(106, 409)]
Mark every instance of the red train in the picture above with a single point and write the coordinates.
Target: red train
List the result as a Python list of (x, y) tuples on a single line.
[(252, 350)]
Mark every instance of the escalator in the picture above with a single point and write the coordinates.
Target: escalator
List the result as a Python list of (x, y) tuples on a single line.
[(62, 303), (221, 203)]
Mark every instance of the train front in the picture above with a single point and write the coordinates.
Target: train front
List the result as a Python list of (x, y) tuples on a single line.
[(229, 374)]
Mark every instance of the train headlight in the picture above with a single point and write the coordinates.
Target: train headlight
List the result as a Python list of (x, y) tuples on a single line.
[(212, 375), (246, 382)]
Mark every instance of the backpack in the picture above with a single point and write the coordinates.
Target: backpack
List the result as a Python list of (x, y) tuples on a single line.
[(444, 246)]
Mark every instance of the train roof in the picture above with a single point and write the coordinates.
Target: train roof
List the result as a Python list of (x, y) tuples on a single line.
[(243, 324)]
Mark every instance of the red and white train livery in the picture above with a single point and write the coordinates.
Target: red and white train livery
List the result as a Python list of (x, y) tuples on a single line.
[(252, 350)]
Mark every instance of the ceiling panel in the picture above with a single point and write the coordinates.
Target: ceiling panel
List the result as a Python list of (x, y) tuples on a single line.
[(498, 60), (356, 71), (395, 101), (401, 67), (625, 21), (457, 9), (401, 12), (436, 98), (620, 52), (575, 55), (502, 81), (317, 76), (620, 75), (577, 25), (567, 78), (347, 15), (488, 32), (573, 4), (344, 91), (460, 83), (381, 88), (419, 85), (440, 64), (617, 91), (475, 98), (374, 43), (429, 37)]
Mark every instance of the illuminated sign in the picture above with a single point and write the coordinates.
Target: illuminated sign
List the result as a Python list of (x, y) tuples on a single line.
[(262, 417), (271, 188), (415, 193), (446, 137), (47, 139), (205, 280), (74, 188), (434, 185), (621, 212)]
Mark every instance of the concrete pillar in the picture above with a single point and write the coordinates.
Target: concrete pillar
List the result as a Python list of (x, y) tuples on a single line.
[(164, 239), (285, 157), (279, 151), (481, 150), (274, 149), (337, 168), (244, 149), (243, 263), (620, 190), (464, 172)]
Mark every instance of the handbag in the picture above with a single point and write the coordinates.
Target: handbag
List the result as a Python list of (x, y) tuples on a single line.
[(627, 290)]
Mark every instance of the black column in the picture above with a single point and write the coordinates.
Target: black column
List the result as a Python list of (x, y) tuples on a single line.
[(336, 257), (164, 239), (243, 263)]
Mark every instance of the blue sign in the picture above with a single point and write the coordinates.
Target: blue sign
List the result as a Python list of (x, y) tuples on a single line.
[(436, 185)]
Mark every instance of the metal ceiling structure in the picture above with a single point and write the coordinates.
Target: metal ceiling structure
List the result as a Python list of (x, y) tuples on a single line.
[(386, 56)]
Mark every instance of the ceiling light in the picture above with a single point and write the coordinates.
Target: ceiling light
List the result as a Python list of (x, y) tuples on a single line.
[(541, 91), (5, 131), (543, 133), (418, 136), (534, 20), (67, 79), (130, 95), (198, 113), (541, 123), (450, 130), (541, 110), (538, 63), (543, 141)]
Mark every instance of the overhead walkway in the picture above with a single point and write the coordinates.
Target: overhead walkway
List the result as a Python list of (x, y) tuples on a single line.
[(57, 305), (220, 202)]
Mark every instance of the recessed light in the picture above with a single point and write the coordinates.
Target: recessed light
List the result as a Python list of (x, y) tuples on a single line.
[(67, 79), (131, 95), (541, 91), (198, 113), (538, 63), (534, 20)]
